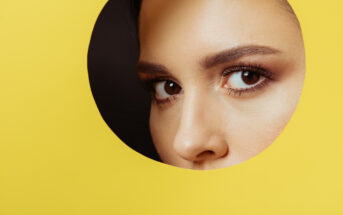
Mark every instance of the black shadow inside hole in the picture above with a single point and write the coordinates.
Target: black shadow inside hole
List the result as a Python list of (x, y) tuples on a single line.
[(121, 98)]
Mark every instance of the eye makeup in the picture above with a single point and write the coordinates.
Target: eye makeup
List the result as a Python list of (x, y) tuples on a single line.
[(241, 79), (164, 89), (249, 78)]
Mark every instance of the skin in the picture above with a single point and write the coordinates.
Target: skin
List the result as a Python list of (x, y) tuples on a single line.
[(205, 125)]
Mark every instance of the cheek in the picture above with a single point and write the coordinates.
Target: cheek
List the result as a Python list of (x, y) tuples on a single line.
[(254, 124)]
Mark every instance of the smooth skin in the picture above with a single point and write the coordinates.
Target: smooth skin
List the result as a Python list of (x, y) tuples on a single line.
[(194, 54)]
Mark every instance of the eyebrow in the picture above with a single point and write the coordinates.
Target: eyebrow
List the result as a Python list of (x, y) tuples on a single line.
[(233, 54), (151, 68), (225, 56)]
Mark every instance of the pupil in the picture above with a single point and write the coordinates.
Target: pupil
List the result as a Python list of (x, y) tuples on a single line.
[(250, 77), (172, 88)]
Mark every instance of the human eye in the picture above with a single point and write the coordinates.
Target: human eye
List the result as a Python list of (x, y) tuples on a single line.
[(165, 91), (240, 80)]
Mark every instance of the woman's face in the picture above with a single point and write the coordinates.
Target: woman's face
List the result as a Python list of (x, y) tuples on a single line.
[(225, 77)]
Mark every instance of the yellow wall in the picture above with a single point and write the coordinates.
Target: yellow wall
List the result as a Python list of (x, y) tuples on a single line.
[(57, 156)]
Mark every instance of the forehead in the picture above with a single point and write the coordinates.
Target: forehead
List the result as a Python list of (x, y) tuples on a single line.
[(191, 27)]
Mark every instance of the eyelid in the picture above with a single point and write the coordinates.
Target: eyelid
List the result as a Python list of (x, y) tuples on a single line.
[(154, 78), (150, 80), (269, 76), (257, 68), (171, 99)]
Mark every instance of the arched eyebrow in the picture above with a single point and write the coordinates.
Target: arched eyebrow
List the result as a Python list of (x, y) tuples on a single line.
[(233, 54), (151, 68)]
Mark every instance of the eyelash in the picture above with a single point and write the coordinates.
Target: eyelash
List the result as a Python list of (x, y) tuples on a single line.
[(255, 68), (166, 101), (149, 84)]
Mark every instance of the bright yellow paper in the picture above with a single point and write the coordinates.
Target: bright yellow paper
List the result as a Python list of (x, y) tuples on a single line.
[(57, 156)]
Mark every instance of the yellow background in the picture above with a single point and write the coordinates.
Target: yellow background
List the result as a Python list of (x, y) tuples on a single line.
[(57, 156)]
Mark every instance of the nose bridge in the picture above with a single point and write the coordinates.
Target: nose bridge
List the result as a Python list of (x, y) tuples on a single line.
[(196, 138), (193, 109)]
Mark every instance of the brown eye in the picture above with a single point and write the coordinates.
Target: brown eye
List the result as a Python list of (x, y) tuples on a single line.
[(243, 80), (165, 89), (250, 78), (172, 88)]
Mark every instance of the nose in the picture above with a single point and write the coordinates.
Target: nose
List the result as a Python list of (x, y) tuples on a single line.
[(198, 138)]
